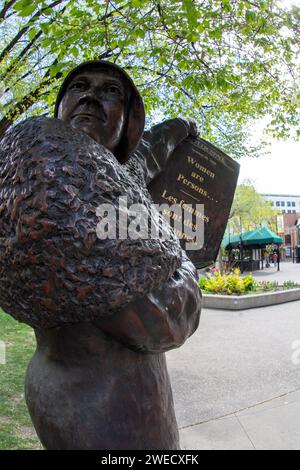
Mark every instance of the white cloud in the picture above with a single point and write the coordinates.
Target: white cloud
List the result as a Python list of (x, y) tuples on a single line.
[(289, 3), (278, 172)]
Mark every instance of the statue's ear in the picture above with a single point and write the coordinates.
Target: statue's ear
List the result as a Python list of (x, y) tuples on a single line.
[(134, 129)]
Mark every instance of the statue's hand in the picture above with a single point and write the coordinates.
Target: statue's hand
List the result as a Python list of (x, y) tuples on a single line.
[(158, 144), (193, 131)]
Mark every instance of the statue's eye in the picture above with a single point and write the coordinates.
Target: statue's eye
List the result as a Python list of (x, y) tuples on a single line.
[(77, 86), (114, 90)]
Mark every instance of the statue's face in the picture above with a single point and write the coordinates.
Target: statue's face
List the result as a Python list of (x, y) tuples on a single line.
[(94, 103)]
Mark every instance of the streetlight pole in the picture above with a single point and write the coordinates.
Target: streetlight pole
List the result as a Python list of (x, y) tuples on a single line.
[(241, 249), (278, 246)]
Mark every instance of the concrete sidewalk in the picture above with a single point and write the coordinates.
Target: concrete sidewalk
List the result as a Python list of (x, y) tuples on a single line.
[(288, 272), (273, 425), (236, 382)]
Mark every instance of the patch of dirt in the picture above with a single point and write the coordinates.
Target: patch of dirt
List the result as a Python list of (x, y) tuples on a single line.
[(5, 420), (26, 432), (17, 398)]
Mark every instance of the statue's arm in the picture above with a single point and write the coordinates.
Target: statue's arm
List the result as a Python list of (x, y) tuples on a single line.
[(158, 144), (163, 319)]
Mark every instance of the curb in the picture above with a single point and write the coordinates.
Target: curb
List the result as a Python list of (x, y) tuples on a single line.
[(245, 302)]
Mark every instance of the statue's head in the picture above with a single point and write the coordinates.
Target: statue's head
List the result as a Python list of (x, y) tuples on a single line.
[(100, 99)]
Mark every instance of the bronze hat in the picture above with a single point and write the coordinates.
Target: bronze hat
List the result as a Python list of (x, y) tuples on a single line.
[(136, 115)]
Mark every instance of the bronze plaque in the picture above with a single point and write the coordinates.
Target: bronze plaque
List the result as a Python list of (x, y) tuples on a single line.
[(198, 173)]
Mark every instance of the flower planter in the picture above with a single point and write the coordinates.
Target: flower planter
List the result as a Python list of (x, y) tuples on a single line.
[(244, 302)]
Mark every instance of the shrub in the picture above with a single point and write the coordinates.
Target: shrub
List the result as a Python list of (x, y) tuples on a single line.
[(215, 283), (221, 283), (234, 283), (249, 283), (267, 285), (290, 285), (202, 283), (228, 284)]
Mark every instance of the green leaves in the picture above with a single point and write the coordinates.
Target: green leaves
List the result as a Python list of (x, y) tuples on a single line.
[(192, 12), (25, 7), (32, 33), (193, 37), (249, 208), (250, 16), (74, 51), (46, 42), (54, 69), (222, 63), (44, 27), (136, 3), (216, 33)]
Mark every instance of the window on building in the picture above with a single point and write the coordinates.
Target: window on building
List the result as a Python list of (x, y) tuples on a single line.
[(283, 211), (293, 204), (294, 212), (277, 204), (288, 204), (282, 204), (289, 212)]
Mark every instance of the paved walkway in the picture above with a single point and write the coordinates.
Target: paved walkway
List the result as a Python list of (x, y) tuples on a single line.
[(274, 425), (288, 272), (236, 382)]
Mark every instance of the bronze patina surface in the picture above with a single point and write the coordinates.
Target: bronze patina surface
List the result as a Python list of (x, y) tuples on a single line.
[(104, 311), (54, 268)]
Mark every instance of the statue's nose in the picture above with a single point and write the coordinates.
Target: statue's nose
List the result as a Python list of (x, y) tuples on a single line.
[(89, 97)]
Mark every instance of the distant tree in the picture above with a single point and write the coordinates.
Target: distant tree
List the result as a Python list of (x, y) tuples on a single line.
[(250, 210), (223, 63)]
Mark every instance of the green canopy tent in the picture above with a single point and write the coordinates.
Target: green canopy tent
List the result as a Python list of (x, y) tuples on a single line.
[(254, 239)]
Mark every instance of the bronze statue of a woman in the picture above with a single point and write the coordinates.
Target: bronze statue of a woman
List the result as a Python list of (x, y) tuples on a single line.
[(104, 311)]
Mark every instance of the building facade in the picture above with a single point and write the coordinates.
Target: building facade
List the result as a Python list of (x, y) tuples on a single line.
[(287, 204)]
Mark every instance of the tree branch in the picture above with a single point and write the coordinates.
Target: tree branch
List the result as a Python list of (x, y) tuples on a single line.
[(5, 8), (27, 101), (165, 75), (17, 60), (22, 31)]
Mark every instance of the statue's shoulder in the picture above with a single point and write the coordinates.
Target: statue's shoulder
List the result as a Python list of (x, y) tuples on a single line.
[(32, 122), (28, 130)]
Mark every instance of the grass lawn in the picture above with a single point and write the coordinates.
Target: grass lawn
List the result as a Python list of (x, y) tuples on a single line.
[(16, 430)]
